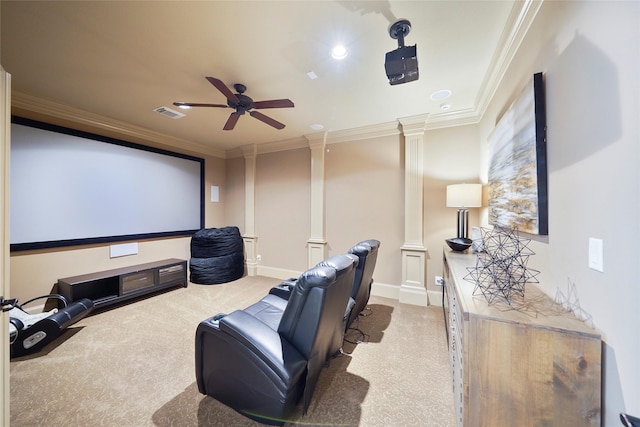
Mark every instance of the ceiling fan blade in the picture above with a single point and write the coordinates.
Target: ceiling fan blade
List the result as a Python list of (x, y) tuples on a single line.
[(195, 104), (266, 119), (223, 88), (274, 103), (231, 121)]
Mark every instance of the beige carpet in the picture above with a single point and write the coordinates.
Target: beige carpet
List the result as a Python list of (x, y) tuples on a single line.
[(134, 366)]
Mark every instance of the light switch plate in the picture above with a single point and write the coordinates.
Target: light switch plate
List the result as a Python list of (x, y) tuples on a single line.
[(596, 256)]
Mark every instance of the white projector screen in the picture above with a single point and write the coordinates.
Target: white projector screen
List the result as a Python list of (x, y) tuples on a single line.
[(72, 188)]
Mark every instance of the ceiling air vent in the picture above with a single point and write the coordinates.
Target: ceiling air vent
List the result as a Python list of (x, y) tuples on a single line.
[(169, 112)]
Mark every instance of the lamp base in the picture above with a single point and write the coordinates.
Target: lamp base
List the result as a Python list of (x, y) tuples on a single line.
[(459, 244), (463, 223)]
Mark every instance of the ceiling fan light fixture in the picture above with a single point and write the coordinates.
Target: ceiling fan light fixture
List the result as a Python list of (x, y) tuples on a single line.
[(339, 52), (240, 102), (184, 106)]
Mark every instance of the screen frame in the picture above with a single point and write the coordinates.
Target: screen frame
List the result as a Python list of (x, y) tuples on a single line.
[(24, 246)]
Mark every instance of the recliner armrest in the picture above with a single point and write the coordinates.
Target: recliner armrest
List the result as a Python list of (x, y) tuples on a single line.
[(278, 353), (283, 290)]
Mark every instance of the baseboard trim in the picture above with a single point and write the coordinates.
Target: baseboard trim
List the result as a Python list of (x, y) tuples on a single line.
[(413, 295), (277, 273), (435, 298), (386, 291)]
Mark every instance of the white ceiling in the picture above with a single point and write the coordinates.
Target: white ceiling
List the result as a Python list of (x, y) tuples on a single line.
[(121, 59)]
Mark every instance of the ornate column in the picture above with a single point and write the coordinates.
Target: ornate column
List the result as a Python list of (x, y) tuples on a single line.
[(249, 237), (413, 289), (317, 244)]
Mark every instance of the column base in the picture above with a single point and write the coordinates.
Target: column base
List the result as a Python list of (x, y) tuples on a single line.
[(316, 251), (250, 255), (413, 289)]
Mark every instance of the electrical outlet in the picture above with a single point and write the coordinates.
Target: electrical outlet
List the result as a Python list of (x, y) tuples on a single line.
[(439, 281)]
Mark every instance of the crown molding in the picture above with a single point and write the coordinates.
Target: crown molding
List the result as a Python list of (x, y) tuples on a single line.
[(96, 123), (518, 24), (366, 132), (447, 119), (289, 144), (356, 134)]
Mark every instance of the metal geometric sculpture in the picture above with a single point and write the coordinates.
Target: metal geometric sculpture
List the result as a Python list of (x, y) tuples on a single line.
[(501, 270)]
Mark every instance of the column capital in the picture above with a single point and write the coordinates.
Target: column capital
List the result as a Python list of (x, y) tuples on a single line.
[(249, 151), (316, 140), (412, 125)]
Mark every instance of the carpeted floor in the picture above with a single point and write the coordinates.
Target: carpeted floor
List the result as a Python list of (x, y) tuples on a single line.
[(133, 366)]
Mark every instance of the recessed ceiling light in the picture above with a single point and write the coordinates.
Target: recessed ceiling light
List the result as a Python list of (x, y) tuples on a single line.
[(317, 127), (339, 52), (439, 95)]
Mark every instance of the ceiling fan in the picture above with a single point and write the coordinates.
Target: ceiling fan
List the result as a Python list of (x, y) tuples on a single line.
[(241, 103)]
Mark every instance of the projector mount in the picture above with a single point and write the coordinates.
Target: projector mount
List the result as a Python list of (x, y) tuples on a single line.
[(401, 65), (399, 30)]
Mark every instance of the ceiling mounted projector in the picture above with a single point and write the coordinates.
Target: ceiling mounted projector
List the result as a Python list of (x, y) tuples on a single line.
[(401, 64)]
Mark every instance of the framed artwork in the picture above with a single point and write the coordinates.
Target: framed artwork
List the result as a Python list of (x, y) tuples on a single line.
[(518, 164)]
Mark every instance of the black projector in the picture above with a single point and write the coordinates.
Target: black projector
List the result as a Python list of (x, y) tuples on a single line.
[(401, 65)]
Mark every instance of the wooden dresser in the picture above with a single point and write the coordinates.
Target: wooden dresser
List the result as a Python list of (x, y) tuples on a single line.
[(529, 364)]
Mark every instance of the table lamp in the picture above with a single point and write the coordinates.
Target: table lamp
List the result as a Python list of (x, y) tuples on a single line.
[(463, 196)]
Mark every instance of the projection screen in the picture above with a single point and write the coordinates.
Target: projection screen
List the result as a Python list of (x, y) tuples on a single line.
[(72, 188)]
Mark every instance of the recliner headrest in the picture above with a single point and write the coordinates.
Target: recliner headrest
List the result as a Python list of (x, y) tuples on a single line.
[(365, 247), (321, 276), (340, 262)]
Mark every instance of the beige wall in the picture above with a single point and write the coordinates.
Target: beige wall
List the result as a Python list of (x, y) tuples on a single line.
[(215, 174), (283, 208), (590, 55), (452, 156), (232, 194), (35, 273), (365, 200)]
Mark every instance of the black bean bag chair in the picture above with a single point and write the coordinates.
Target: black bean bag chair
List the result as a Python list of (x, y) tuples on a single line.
[(217, 256), (216, 270), (213, 242)]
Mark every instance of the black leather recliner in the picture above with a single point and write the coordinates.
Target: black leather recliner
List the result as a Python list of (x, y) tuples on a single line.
[(367, 252), (262, 360)]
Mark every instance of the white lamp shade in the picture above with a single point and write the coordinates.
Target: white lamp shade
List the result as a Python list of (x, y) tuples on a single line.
[(464, 196)]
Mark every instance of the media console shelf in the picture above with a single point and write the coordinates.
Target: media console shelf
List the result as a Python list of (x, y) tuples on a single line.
[(114, 286), (531, 364)]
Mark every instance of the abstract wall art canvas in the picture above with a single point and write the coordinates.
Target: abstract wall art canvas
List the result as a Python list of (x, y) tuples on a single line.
[(518, 164)]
